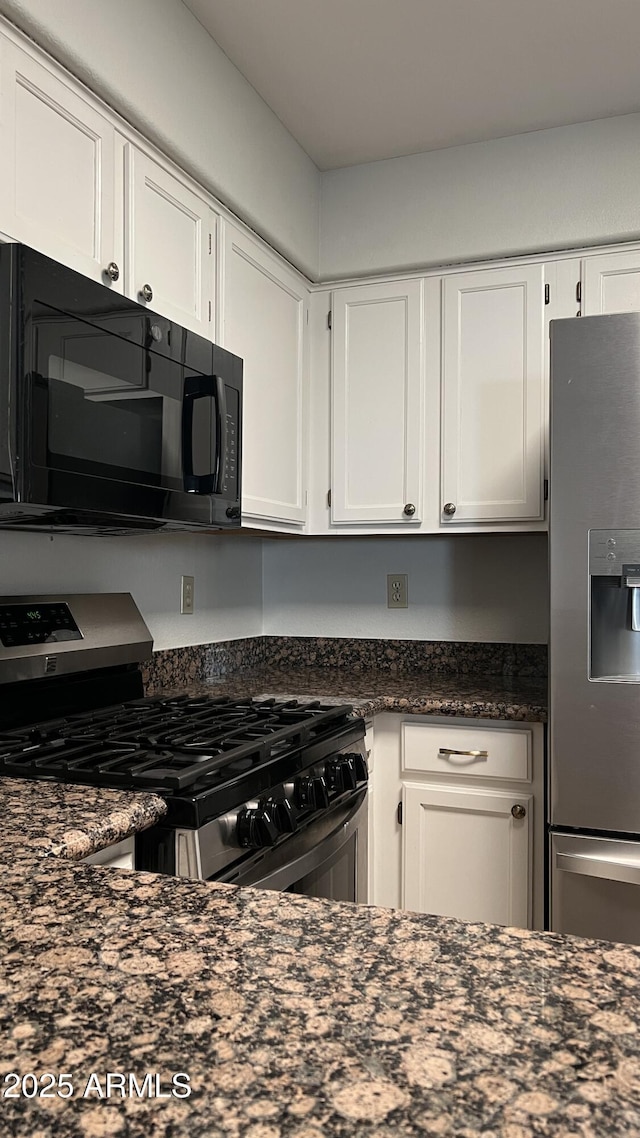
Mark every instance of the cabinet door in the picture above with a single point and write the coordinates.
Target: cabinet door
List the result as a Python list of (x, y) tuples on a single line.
[(493, 383), (57, 184), (170, 234), (264, 308), (611, 284), (377, 399), (465, 855)]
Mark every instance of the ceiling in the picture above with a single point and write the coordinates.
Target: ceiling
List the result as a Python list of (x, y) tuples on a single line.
[(360, 80)]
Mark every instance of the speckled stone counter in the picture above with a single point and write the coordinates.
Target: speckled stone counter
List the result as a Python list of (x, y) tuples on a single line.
[(40, 818), (304, 1019), (478, 697)]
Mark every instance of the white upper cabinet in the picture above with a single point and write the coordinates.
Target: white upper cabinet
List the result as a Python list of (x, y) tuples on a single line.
[(611, 283), (377, 404), (57, 183), (493, 384), (171, 244), (264, 319)]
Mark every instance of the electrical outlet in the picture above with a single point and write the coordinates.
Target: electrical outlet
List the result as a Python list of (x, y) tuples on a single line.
[(187, 595), (397, 591)]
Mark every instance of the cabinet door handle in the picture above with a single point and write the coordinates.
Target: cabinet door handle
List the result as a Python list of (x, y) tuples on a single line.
[(447, 752), (146, 292)]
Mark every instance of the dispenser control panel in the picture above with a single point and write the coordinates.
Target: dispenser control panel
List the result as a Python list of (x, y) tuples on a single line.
[(613, 552)]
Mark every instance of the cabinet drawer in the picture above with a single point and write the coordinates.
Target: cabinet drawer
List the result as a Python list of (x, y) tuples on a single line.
[(477, 751)]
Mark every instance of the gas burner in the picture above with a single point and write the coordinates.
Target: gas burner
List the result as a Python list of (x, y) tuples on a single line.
[(176, 745)]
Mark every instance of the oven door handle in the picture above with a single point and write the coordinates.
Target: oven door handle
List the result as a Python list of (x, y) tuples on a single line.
[(201, 387), (328, 849)]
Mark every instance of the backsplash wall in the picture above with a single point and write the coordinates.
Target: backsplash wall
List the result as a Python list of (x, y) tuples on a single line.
[(227, 571), (487, 588), (484, 587)]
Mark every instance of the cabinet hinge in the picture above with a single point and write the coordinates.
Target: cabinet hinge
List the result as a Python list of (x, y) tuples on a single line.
[(209, 242), (579, 291), (546, 489), (328, 497), (329, 320), (209, 310), (547, 293), (399, 813)]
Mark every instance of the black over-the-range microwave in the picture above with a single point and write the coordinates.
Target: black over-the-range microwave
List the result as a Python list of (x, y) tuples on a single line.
[(112, 418)]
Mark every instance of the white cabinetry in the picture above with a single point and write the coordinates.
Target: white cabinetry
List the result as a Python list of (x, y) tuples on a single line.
[(58, 174), (264, 320), (458, 818), (171, 242), (611, 283), (121, 855), (377, 400), (465, 854), (492, 399)]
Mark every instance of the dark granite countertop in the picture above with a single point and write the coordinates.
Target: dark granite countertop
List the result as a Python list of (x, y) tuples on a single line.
[(292, 1017), (71, 821), (370, 692), (296, 1018)]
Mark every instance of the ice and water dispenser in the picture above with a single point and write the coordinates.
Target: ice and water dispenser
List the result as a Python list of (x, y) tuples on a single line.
[(614, 570)]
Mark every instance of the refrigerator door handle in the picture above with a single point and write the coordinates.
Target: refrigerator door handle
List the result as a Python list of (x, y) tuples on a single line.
[(635, 609), (609, 869)]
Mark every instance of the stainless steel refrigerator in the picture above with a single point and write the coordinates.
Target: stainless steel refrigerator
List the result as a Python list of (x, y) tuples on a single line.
[(594, 654)]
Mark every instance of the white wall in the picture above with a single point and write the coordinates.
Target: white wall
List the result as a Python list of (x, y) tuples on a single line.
[(478, 588), (156, 65), (227, 571), (550, 189)]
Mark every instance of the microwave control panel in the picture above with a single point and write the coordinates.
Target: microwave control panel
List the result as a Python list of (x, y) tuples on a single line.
[(230, 472)]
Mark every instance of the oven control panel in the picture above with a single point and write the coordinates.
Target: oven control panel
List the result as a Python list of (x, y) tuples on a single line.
[(37, 624)]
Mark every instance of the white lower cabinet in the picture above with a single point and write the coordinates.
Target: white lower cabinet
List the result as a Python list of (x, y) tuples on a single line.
[(121, 855), (465, 854), (457, 818)]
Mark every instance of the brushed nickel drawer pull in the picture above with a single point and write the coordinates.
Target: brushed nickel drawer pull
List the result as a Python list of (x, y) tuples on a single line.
[(481, 756)]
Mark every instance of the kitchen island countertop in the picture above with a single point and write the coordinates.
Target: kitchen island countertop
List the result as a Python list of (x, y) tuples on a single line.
[(298, 1018)]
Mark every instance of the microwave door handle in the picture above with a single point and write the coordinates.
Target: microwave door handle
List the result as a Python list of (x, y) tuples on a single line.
[(221, 432), (200, 387)]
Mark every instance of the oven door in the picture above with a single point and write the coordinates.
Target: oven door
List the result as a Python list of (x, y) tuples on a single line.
[(326, 859)]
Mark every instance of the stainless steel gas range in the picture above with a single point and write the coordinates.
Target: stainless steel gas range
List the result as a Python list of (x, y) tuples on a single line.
[(261, 792)]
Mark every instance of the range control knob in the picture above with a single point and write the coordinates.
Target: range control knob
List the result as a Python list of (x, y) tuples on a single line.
[(359, 765), (256, 827), (283, 814), (340, 774), (310, 793)]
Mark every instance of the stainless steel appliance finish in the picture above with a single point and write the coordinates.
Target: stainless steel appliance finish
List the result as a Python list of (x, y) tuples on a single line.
[(594, 769), (595, 887), (112, 632), (259, 791), (330, 853)]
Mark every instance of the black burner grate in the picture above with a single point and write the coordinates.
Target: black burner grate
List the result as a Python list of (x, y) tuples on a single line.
[(172, 745)]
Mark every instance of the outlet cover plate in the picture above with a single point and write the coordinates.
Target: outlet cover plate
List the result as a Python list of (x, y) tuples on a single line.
[(187, 595), (397, 591)]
